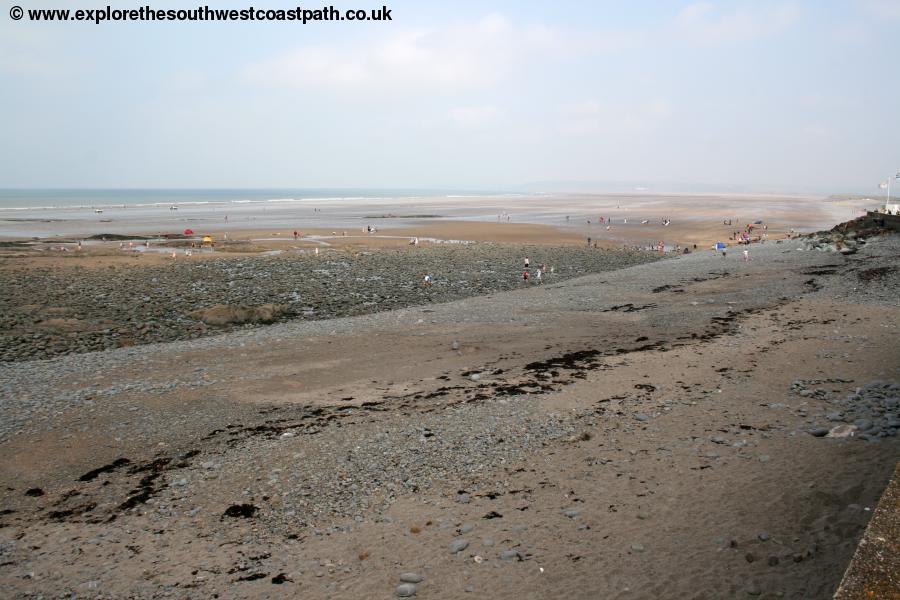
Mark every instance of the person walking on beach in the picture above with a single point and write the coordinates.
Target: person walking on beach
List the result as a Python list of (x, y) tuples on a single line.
[(527, 262), (537, 276), (589, 241), (525, 275), (746, 256)]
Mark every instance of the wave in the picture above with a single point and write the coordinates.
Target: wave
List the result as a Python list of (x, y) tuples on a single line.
[(66, 202)]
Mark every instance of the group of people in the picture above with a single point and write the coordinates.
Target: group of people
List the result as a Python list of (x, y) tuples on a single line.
[(744, 237), (608, 221), (745, 255), (539, 272)]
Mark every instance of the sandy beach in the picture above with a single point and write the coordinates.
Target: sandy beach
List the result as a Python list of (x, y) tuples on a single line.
[(650, 429), (432, 301), (571, 218)]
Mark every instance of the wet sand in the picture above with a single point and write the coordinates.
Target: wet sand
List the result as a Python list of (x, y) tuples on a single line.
[(642, 433), (649, 432), (695, 219)]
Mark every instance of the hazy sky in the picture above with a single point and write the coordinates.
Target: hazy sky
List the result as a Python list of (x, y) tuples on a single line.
[(789, 95)]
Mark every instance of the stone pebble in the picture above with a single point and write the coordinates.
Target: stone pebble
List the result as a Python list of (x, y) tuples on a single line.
[(141, 304)]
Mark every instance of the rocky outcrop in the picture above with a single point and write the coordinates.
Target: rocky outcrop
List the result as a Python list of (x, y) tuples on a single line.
[(833, 241), (224, 314), (848, 237)]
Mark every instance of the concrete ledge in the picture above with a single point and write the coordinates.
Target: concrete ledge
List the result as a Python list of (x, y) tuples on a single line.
[(874, 572), (885, 221)]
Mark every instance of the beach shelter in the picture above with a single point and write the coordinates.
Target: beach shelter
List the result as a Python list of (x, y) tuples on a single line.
[(188, 231), (207, 240), (720, 245)]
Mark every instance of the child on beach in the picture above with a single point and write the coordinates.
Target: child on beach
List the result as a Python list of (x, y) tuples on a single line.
[(525, 276)]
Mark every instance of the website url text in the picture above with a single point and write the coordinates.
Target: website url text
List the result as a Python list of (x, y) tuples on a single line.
[(201, 13)]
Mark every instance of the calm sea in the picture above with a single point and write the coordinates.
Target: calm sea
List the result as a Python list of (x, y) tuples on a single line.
[(58, 198)]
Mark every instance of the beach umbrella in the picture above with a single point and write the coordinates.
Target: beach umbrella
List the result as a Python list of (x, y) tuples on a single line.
[(188, 231), (720, 245)]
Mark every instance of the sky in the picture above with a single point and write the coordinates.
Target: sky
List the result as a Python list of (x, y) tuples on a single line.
[(773, 95)]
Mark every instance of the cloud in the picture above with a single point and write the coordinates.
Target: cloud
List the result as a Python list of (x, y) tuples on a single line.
[(883, 9), (29, 51), (593, 117), (701, 23), (449, 58), (476, 53), (818, 131), (470, 116), (850, 33)]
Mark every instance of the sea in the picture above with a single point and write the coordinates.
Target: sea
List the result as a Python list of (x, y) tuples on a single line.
[(22, 199)]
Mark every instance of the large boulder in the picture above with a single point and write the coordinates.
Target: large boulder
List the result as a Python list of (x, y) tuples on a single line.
[(66, 325), (226, 314)]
